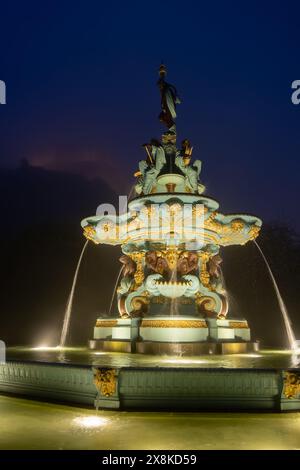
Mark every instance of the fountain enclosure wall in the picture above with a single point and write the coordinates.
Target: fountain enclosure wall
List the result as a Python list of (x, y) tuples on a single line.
[(171, 297), (154, 387)]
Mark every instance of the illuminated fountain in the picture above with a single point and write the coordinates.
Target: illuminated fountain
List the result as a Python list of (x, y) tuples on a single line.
[(171, 297), (172, 301)]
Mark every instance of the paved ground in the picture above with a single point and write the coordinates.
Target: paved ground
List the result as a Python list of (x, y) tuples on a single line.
[(27, 424)]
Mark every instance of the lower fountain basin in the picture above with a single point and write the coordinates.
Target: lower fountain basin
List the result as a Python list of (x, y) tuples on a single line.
[(264, 381)]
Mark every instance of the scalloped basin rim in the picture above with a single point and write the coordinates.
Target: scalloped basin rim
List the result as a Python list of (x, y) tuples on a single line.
[(227, 218), (172, 290), (222, 218)]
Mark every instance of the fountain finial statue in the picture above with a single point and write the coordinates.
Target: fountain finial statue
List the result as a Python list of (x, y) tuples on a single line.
[(169, 100)]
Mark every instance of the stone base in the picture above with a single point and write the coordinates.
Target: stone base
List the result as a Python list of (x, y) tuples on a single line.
[(178, 335), (194, 349), (112, 346), (174, 349)]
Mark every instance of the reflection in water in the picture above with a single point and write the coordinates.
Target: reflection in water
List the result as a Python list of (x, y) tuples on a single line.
[(90, 421), (295, 359), (179, 361), (263, 359), (248, 355), (41, 425), (62, 357)]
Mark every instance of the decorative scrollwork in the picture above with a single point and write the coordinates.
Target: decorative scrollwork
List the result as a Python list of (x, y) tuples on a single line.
[(140, 304), (206, 303)]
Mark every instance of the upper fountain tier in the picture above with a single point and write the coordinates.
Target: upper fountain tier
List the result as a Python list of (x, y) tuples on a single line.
[(169, 207), (171, 219)]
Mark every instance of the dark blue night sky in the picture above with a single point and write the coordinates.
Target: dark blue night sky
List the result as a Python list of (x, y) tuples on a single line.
[(82, 95)]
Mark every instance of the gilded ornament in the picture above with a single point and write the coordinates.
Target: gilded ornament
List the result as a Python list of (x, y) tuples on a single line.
[(106, 323), (204, 274), (138, 258), (139, 303), (237, 225), (206, 303), (171, 255), (199, 210), (173, 324), (89, 232), (106, 381), (291, 387), (253, 232), (238, 324)]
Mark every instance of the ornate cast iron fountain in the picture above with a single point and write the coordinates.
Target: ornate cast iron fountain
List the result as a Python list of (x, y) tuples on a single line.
[(171, 298)]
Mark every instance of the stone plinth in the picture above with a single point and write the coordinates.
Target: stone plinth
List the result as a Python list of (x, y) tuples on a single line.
[(173, 335)]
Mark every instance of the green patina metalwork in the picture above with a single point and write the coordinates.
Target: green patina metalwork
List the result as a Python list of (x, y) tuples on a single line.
[(151, 387)]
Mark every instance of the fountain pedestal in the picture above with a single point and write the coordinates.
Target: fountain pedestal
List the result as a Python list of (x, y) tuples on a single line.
[(186, 336)]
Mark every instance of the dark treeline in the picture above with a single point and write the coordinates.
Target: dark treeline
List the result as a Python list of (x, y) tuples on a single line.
[(41, 240)]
